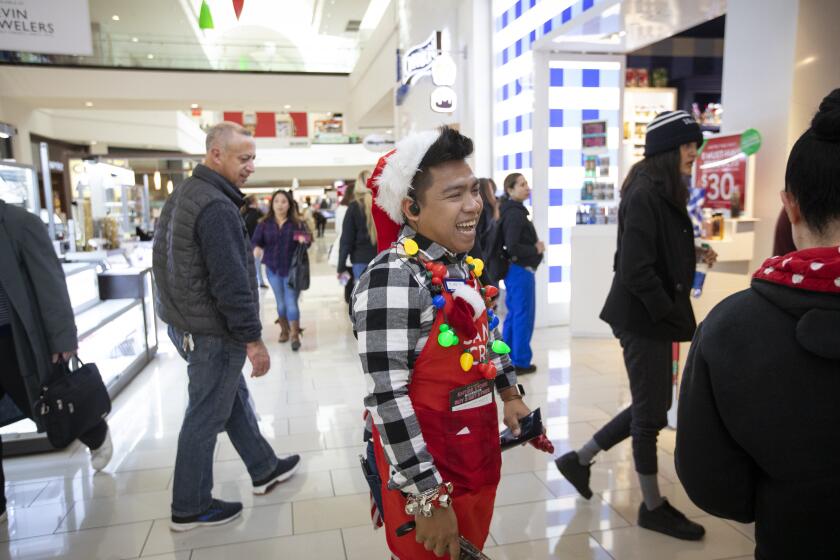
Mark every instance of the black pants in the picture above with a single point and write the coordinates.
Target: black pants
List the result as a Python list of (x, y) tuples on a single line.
[(648, 364), (11, 383)]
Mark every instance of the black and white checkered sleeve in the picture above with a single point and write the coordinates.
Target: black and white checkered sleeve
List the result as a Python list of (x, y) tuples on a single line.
[(387, 313), (505, 371)]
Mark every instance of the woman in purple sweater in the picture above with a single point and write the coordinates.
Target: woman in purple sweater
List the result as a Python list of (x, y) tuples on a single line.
[(275, 240)]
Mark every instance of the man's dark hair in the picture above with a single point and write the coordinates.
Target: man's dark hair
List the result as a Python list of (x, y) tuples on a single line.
[(451, 145), (813, 167)]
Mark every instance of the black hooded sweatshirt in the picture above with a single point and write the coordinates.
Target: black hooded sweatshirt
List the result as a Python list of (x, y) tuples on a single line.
[(758, 435)]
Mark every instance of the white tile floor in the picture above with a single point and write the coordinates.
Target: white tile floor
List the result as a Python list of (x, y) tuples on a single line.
[(311, 403)]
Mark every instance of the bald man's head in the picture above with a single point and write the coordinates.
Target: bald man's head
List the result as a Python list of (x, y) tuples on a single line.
[(230, 152)]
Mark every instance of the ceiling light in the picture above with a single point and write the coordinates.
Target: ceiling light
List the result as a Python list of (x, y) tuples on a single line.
[(156, 179), (287, 106), (150, 56), (88, 103), (4, 135), (169, 186), (194, 106), (135, 40), (93, 142), (115, 17)]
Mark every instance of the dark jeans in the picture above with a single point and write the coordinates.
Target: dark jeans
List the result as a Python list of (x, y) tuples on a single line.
[(648, 364), (218, 401), (11, 383)]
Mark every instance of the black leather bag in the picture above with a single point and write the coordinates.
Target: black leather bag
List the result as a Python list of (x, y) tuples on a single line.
[(299, 269), (73, 402)]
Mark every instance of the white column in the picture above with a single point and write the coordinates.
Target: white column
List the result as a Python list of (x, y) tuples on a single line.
[(474, 26), (558, 313), (757, 92)]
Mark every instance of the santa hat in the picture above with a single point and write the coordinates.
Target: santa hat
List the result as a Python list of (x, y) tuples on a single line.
[(390, 184)]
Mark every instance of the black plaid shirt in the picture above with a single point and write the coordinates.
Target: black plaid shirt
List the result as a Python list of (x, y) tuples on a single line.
[(393, 316)]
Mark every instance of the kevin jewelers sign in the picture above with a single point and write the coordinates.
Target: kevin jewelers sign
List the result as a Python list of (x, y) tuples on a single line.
[(45, 26)]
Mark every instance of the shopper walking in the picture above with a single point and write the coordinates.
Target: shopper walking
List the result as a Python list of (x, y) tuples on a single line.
[(207, 294), (489, 219), (358, 235), (757, 437), (525, 251), (648, 309), (252, 215), (37, 327), (276, 239)]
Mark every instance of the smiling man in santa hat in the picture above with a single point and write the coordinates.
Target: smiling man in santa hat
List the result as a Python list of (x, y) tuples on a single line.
[(430, 350)]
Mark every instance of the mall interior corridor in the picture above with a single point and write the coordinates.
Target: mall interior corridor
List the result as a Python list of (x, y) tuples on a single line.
[(311, 403)]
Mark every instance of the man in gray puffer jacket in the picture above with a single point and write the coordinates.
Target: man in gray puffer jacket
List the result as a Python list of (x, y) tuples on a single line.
[(207, 294)]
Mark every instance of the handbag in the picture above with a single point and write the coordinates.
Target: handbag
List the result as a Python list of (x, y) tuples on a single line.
[(72, 402), (299, 269)]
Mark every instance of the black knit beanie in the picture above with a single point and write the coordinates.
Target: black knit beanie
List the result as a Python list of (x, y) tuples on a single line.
[(670, 130)]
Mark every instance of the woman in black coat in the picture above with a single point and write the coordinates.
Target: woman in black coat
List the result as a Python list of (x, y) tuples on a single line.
[(358, 234), (758, 436), (37, 326), (648, 308)]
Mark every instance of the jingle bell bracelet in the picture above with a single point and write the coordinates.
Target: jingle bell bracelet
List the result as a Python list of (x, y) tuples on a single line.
[(423, 503)]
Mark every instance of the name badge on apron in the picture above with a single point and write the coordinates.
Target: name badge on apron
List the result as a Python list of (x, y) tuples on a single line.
[(474, 395)]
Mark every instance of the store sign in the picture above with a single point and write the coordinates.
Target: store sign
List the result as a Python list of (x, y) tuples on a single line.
[(720, 169), (45, 26), (418, 60), (379, 143), (443, 100)]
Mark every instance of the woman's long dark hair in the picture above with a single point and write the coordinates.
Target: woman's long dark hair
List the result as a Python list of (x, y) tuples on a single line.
[(664, 169), (294, 212), (488, 195)]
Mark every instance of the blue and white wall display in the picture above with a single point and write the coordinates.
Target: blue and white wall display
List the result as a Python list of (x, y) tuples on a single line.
[(540, 100)]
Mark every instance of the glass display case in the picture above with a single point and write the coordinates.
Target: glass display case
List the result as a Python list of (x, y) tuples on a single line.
[(19, 186), (116, 324)]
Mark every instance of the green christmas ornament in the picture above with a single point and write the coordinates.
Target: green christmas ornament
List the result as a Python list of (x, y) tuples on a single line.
[(499, 347), (444, 327), (205, 19)]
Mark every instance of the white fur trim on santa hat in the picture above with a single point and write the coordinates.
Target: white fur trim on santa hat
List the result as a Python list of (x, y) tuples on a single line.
[(395, 180), (471, 296)]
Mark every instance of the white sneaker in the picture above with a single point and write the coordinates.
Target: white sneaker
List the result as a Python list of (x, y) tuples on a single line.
[(99, 458)]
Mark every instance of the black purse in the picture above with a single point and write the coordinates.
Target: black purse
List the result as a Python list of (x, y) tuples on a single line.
[(299, 269), (72, 402)]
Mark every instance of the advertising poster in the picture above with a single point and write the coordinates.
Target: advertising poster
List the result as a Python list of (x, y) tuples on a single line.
[(45, 26)]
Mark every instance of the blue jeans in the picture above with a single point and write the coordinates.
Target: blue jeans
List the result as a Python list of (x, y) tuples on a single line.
[(521, 304), (358, 269), (287, 298), (218, 401), (258, 265)]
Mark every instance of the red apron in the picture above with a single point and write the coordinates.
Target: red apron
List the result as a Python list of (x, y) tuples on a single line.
[(471, 461)]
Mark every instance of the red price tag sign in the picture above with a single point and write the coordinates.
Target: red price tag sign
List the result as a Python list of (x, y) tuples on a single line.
[(720, 169)]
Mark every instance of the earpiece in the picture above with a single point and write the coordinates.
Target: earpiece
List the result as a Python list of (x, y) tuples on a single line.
[(414, 208)]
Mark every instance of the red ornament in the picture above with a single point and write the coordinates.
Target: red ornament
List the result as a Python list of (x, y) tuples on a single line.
[(437, 281), (543, 444), (491, 291), (430, 266), (237, 7), (487, 371)]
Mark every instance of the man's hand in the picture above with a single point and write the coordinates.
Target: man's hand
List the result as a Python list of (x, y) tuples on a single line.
[(439, 533), (540, 247), (64, 356), (513, 411), (258, 356)]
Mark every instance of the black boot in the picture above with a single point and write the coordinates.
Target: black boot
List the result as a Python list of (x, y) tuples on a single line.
[(668, 520), (577, 474)]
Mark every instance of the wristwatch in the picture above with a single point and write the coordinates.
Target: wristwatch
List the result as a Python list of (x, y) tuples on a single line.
[(520, 392)]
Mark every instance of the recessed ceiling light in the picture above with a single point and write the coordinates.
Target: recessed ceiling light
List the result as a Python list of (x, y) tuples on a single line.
[(135, 40), (88, 103), (150, 56), (287, 106), (115, 17), (194, 106), (93, 142)]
